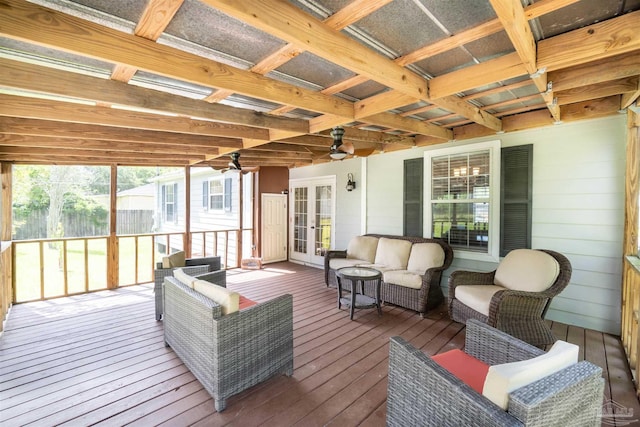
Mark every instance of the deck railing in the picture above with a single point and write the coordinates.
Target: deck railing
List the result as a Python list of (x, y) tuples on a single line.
[(50, 268)]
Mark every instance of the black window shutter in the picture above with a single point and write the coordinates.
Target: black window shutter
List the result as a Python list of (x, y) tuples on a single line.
[(228, 184), (205, 195), (164, 202), (515, 198), (413, 197), (175, 202)]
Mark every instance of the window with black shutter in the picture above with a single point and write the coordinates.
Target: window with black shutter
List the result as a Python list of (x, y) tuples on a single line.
[(515, 198), (413, 197)]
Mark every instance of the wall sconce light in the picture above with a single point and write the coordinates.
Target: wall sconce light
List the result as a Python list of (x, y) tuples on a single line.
[(351, 184)]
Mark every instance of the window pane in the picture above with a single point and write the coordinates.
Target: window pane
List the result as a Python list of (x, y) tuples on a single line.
[(460, 199)]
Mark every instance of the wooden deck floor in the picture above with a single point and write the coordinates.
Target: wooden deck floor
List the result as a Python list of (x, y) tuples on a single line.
[(100, 359)]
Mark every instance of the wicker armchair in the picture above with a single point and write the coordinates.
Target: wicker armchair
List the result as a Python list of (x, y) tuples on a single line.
[(421, 392), (202, 268), (511, 309), (232, 352)]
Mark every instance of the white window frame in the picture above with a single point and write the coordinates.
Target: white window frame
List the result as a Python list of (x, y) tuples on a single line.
[(165, 189), (493, 249), (227, 202)]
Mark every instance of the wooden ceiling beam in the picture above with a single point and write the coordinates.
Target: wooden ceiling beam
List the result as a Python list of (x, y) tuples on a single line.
[(601, 40), (102, 145), (34, 127), (75, 160), (486, 29), (291, 24), (598, 90), (156, 16), (107, 155), (629, 98), (626, 65), (61, 31), (25, 76), (280, 147), (511, 15), (494, 70), (618, 33), (33, 108)]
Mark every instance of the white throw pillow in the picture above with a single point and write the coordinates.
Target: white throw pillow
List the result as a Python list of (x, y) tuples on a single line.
[(425, 256), (393, 253), (507, 377), (176, 259), (362, 247), (527, 270), (227, 299), (183, 277)]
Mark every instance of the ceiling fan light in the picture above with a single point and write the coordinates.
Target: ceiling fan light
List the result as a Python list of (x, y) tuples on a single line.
[(337, 155)]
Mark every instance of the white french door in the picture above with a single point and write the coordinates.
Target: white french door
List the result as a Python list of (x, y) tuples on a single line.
[(311, 219)]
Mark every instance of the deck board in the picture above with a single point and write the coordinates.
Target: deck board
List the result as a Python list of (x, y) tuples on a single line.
[(100, 359)]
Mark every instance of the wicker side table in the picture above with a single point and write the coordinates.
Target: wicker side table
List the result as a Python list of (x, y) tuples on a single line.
[(356, 275)]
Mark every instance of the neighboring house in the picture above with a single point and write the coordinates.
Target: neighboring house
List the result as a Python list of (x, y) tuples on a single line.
[(135, 209), (215, 207)]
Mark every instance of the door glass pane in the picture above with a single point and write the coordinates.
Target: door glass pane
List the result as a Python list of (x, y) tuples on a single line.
[(323, 219), (300, 219)]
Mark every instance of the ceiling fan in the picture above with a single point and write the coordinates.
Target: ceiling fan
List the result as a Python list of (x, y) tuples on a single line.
[(234, 165), (339, 150)]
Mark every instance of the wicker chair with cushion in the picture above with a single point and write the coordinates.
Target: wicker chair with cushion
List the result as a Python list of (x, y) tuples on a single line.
[(523, 385), (228, 342), (202, 268), (513, 298)]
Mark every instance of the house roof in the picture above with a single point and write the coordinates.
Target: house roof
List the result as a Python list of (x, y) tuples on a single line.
[(156, 82)]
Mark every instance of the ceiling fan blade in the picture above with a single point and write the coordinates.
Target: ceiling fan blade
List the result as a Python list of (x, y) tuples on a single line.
[(347, 147)]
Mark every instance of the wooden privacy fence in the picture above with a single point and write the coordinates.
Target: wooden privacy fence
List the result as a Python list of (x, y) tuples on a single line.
[(76, 224)]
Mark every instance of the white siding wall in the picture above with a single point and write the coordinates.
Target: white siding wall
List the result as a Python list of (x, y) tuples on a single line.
[(578, 200)]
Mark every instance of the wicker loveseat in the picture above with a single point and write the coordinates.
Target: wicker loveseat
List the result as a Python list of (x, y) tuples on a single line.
[(207, 268), (422, 392), (231, 352), (411, 267)]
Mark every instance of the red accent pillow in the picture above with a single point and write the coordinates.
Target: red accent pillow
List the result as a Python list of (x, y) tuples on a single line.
[(246, 303), (468, 369)]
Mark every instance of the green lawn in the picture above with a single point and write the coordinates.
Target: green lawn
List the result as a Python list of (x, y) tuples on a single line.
[(28, 268)]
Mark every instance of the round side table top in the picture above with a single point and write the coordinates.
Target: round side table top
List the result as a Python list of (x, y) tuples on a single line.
[(356, 273)]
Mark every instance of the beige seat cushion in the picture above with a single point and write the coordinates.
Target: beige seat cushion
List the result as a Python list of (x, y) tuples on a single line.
[(477, 297), (424, 256), (176, 259), (336, 263), (408, 279), (393, 253), (362, 247), (381, 268), (505, 378), (183, 277), (527, 270), (228, 300)]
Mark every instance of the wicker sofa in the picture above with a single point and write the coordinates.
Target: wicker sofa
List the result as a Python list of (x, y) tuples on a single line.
[(206, 268), (228, 353), (422, 392), (411, 266)]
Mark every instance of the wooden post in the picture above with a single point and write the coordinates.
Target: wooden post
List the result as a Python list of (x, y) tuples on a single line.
[(630, 273), (187, 211), (240, 219), (7, 292), (112, 240)]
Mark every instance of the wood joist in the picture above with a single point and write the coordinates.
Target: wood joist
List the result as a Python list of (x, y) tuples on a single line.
[(75, 115)]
